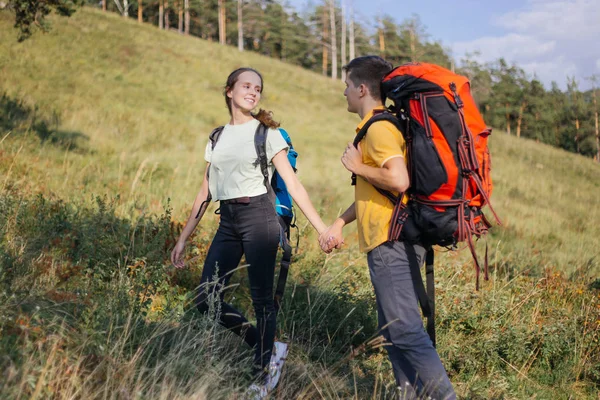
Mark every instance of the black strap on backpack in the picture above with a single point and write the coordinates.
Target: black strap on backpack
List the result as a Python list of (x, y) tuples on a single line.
[(426, 297), (213, 137), (286, 260), (430, 278), (382, 115), (260, 143)]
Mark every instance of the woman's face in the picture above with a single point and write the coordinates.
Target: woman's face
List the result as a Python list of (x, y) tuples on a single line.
[(246, 91)]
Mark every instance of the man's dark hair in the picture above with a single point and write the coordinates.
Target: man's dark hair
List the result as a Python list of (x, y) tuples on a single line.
[(369, 70)]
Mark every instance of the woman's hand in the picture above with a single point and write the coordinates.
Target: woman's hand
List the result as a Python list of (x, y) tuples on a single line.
[(195, 216), (177, 255), (332, 237)]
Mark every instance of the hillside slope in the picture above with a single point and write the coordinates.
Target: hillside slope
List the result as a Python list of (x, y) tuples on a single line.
[(103, 106), (142, 102)]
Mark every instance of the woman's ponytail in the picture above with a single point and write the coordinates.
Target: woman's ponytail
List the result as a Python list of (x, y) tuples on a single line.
[(266, 118)]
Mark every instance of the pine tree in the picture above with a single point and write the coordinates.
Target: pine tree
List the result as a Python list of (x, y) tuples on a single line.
[(186, 6), (333, 34), (480, 78), (222, 27), (343, 43), (240, 26), (31, 14), (575, 110), (351, 33), (161, 14), (594, 80), (507, 94)]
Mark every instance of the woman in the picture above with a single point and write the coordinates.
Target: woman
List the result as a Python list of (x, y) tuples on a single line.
[(249, 224)]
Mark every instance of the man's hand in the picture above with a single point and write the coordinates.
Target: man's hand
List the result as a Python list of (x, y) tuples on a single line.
[(332, 237), (352, 158)]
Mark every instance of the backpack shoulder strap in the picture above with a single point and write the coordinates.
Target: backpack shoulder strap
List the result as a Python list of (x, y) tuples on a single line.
[(215, 135), (381, 116), (214, 138), (286, 260), (260, 143)]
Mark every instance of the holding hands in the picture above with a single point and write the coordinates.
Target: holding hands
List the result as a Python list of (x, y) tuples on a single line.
[(332, 237)]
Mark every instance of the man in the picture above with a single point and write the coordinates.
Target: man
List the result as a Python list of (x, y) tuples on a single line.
[(379, 162)]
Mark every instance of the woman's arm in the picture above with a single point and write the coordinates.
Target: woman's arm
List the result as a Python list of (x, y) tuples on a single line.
[(192, 222), (297, 191)]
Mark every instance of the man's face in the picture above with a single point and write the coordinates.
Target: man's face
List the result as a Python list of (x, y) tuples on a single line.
[(353, 94)]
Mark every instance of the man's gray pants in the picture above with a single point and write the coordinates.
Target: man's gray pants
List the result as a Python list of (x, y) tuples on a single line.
[(416, 364)]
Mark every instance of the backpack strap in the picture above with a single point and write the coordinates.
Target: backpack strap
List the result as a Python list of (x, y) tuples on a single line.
[(260, 144), (215, 135), (429, 276), (286, 260), (382, 115), (214, 138), (378, 116), (426, 298)]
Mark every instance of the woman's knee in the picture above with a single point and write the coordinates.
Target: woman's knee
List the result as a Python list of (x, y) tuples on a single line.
[(263, 305), (202, 301)]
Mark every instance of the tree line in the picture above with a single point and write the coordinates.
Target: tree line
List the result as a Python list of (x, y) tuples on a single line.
[(522, 106), (328, 35)]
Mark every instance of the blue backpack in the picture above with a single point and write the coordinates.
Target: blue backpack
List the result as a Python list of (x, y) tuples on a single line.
[(283, 200), (281, 197)]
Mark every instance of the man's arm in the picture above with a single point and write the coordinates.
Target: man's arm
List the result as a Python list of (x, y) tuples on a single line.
[(392, 175)]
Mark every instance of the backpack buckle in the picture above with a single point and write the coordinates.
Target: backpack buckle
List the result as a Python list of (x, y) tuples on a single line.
[(457, 99)]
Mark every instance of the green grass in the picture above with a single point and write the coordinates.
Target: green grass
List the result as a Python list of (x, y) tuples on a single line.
[(103, 124)]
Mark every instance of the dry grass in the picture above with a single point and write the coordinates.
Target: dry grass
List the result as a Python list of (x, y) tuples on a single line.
[(105, 107)]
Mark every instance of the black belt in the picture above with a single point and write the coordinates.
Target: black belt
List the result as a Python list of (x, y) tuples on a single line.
[(238, 200)]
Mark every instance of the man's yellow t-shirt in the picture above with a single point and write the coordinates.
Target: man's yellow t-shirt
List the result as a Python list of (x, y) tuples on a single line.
[(382, 142)]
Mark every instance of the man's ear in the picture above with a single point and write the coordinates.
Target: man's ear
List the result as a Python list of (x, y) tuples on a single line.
[(363, 90)]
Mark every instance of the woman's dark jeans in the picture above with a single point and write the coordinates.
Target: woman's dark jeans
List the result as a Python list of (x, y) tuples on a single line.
[(251, 229)]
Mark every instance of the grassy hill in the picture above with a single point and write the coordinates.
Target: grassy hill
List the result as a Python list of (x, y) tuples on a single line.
[(103, 124)]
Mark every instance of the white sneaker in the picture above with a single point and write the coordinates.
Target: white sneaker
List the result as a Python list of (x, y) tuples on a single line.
[(256, 392), (280, 351)]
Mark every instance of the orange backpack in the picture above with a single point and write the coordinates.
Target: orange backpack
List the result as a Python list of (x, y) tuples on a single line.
[(448, 158)]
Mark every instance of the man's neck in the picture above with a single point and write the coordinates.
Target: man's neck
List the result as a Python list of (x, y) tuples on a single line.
[(367, 106)]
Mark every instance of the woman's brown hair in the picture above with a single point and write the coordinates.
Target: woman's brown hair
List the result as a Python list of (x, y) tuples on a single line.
[(264, 116)]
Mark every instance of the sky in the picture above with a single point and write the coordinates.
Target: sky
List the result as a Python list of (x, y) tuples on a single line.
[(552, 39)]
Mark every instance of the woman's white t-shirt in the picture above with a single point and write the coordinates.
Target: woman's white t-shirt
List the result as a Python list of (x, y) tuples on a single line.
[(234, 171)]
